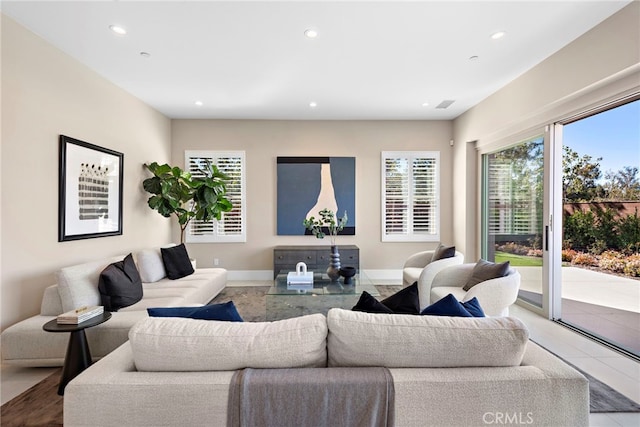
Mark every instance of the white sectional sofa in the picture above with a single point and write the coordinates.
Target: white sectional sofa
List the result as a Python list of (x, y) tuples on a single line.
[(27, 344), (446, 371)]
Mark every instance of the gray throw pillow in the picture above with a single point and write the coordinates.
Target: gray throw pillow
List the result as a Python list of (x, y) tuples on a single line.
[(443, 251), (485, 270), (120, 285)]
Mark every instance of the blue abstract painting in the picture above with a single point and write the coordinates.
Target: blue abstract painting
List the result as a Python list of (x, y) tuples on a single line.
[(307, 185)]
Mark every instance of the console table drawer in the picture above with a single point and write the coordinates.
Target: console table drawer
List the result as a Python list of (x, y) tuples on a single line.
[(294, 257), (350, 257)]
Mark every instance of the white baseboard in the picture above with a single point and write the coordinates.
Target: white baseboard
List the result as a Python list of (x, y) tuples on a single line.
[(249, 275), (395, 275)]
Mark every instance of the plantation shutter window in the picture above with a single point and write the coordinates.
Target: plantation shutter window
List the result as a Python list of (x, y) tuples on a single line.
[(411, 195), (231, 227)]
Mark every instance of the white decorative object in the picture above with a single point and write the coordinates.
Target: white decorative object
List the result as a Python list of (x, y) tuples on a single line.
[(300, 279)]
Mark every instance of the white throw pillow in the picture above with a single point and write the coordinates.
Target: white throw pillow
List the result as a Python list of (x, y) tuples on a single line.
[(177, 344), (78, 284), (150, 265), (406, 341)]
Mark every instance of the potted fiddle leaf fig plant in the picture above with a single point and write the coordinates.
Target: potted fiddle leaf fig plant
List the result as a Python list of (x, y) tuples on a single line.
[(317, 227), (178, 193)]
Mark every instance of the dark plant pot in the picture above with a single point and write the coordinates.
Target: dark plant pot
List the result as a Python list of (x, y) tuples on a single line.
[(348, 273)]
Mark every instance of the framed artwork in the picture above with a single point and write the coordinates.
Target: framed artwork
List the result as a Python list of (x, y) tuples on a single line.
[(89, 190), (307, 185)]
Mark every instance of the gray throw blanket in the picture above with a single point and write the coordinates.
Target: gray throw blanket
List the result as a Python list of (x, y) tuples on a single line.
[(311, 397)]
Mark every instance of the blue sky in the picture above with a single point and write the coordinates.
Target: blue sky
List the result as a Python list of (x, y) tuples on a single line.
[(613, 135)]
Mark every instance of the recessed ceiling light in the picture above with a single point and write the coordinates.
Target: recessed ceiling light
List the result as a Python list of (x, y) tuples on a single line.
[(473, 58), (425, 104), (118, 30), (199, 103), (311, 33), (498, 35), (313, 104), (145, 54)]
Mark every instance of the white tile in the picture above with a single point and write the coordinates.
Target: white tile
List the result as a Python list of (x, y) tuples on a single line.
[(610, 376), (602, 420), (623, 364), (626, 419)]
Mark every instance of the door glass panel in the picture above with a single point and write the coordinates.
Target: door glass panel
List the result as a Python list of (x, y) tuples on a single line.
[(601, 225), (512, 212)]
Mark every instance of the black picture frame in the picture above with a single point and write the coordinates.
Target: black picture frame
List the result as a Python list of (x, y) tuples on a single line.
[(90, 184)]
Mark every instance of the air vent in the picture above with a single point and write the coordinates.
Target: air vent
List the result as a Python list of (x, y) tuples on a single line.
[(445, 104)]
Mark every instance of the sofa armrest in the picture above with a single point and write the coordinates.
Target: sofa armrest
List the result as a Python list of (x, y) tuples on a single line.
[(112, 393), (429, 273), (51, 302), (419, 259), (496, 295)]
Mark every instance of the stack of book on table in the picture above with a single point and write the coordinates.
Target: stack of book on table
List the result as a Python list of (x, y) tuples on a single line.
[(80, 315)]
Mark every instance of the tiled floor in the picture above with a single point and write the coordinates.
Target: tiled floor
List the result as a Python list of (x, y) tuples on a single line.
[(619, 372), (608, 366)]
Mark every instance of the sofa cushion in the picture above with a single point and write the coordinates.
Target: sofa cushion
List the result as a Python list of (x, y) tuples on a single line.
[(485, 270), (174, 344), (226, 311), (78, 284), (369, 304), (401, 341), (176, 262), (120, 284), (404, 301), (150, 265), (473, 307), (447, 306), (443, 251)]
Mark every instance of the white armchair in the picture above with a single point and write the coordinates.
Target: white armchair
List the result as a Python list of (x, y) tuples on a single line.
[(419, 268), (494, 295)]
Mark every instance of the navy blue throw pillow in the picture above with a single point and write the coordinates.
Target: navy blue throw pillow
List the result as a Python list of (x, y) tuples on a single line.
[(176, 262), (447, 306), (405, 301), (369, 304), (473, 307), (226, 311)]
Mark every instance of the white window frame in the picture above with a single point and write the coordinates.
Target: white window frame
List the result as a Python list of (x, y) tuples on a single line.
[(409, 235), (218, 235)]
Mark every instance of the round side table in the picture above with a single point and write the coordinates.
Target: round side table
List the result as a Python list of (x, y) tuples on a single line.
[(78, 357)]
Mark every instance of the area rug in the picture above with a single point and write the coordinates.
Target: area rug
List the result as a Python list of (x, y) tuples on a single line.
[(40, 406)]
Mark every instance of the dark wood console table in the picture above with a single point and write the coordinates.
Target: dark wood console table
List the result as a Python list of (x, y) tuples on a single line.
[(317, 258)]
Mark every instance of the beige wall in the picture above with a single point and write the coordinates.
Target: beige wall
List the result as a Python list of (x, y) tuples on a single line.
[(599, 66), (45, 93), (263, 141)]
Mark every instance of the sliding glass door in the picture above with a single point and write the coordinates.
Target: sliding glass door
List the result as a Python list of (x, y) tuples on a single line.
[(600, 277), (563, 208), (512, 213)]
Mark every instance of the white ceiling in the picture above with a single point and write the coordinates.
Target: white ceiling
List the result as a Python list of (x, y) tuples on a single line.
[(371, 60)]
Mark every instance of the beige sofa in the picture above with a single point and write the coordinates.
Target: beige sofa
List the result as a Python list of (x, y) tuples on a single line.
[(27, 344), (446, 371)]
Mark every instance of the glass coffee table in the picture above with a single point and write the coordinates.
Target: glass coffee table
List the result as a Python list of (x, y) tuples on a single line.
[(287, 301)]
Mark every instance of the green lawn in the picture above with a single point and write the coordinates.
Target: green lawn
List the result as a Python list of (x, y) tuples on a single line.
[(519, 260)]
